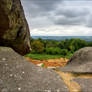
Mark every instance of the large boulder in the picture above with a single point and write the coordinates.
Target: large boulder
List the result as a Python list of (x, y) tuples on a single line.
[(14, 31), (81, 62), (19, 75)]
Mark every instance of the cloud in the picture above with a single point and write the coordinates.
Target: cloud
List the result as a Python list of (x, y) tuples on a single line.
[(62, 20), (39, 7), (47, 14), (45, 5), (62, 31), (71, 15), (89, 23), (40, 22)]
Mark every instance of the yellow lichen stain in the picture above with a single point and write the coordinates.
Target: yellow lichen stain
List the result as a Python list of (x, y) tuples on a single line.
[(83, 75), (68, 79)]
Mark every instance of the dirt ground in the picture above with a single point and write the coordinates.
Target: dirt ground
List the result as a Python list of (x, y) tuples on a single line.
[(61, 62)]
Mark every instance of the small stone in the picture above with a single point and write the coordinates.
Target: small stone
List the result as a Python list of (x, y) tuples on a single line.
[(41, 64), (4, 59), (19, 89), (23, 72), (11, 75)]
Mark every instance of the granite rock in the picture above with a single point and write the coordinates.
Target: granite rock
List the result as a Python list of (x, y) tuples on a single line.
[(80, 62), (14, 30), (85, 84), (19, 75)]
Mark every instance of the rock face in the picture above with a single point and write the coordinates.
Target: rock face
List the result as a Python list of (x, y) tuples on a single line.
[(19, 75), (14, 31), (81, 61), (85, 84)]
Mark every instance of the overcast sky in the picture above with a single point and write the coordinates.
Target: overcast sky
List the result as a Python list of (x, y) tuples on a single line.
[(59, 17)]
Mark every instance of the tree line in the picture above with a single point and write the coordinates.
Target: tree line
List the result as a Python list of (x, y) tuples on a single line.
[(63, 47)]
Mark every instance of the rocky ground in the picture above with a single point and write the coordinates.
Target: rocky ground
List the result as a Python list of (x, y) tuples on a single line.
[(77, 74), (19, 75)]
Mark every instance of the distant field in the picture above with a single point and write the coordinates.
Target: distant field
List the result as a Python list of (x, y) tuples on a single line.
[(45, 56)]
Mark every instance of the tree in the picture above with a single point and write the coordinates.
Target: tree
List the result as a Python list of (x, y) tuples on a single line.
[(37, 46), (53, 50), (61, 44), (64, 52)]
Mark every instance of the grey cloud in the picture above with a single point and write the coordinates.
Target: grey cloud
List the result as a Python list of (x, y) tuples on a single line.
[(69, 15), (45, 5), (65, 14), (39, 7), (71, 12), (69, 21), (89, 22)]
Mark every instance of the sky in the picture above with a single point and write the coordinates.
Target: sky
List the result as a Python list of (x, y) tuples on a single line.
[(59, 17)]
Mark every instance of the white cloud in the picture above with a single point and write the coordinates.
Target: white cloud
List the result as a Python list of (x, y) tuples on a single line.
[(62, 31)]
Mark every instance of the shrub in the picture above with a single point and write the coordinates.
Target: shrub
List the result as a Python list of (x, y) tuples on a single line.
[(37, 47), (53, 50), (64, 52)]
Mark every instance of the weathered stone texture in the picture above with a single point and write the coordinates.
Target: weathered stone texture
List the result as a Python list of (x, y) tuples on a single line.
[(14, 30), (19, 75), (81, 61)]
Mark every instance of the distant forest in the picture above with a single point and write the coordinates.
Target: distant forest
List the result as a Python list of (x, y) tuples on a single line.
[(64, 47)]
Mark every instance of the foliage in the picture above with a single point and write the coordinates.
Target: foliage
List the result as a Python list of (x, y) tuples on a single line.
[(52, 48), (37, 47), (42, 56), (64, 52)]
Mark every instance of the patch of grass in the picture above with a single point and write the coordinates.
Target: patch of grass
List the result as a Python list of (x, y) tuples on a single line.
[(69, 55), (42, 56)]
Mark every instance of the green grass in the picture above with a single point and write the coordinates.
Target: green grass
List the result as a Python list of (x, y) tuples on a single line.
[(69, 55), (46, 56), (43, 56)]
